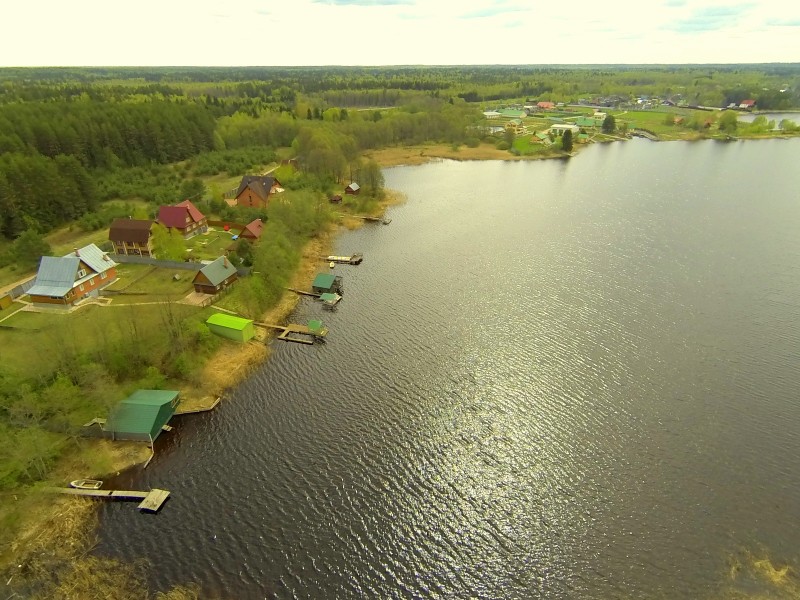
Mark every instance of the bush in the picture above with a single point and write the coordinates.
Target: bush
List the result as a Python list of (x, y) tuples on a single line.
[(502, 145), (472, 142)]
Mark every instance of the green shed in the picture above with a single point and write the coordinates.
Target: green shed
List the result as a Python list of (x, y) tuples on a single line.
[(231, 327), (142, 415), (325, 283)]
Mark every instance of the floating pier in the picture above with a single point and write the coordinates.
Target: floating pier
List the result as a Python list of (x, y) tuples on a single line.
[(353, 259), (151, 501), (301, 334), (302, 293)]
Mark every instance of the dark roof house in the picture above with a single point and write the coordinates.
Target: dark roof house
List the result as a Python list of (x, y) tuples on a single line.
[(255, 190), (131, 236)]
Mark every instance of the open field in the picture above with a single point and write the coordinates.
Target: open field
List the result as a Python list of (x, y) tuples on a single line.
[(210, 245)]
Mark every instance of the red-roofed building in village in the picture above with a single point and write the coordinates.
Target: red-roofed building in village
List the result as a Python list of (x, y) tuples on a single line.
[(747, 104), (183, 217), (252, 231), (545, 105)]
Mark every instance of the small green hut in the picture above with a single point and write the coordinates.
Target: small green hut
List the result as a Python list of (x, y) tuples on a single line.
[(325, 283), (231, 327), (142, 415)]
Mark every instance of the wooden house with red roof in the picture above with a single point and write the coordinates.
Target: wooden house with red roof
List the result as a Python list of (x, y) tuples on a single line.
[(185, 217), (254, 191), (252, 231)]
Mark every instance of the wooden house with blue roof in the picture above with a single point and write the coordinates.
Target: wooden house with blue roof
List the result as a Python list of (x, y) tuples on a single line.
[(62, 281)]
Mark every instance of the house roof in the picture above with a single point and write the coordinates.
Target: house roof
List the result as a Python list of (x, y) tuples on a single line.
[(545, 104), (260, 184), (172, 216), (354, 186), (229, 321), (194, 213), (57, 275), (254, 228), (323, 281), (175, 216), (218, 270), (139, 412), (130, 230)]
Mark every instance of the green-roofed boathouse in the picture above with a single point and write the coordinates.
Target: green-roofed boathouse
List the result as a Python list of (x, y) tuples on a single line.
[(142, 415), (231, 327), (325, 283)]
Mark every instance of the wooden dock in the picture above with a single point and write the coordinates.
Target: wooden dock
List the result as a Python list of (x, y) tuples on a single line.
[(291, 332), (353, 259), (151, 501), (302, 293), (192, 411), (384, 220)]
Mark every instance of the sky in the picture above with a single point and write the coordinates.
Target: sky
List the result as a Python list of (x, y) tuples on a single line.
[(395, 32)]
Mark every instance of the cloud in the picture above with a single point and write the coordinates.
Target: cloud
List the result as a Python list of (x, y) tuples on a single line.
[(364, 2), (675, 3), (710, 18), (499, 8), (783, 22)]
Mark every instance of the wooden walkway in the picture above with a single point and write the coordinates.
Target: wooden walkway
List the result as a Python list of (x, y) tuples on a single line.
[(353, 259), (192, 411), (302, 293), (151, 501), (290, 333)]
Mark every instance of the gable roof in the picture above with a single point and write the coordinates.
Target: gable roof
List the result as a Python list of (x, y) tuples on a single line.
[(254, 227), (56, 276), (323, 281), (354, 186), (139, 412), (96, 259), (219, 270), (130, 230), (172, 216), (260, 184), (229, 321), (175, 216), (194, 213)]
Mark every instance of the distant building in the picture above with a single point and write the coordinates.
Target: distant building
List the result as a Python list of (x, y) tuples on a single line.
[(353, 189), (559, 129), (747, 104)]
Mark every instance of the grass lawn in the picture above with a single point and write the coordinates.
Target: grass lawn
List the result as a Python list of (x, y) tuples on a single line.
[(7, 311), (147, 283), (209, 245)]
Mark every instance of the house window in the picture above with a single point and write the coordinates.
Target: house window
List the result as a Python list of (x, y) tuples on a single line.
[(103, 275), (82, 273), (91, 281), (81, 287)]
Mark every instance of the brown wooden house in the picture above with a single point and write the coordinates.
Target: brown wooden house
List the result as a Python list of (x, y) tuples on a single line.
[(254, 191), (252, 231), (353, 189), (132, 237), (215, 276), (63, 281)]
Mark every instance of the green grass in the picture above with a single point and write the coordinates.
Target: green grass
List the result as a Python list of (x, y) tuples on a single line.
[(7, 311), (147, 283), (210, 245)]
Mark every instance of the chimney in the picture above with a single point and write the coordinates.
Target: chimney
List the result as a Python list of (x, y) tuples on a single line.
[(76, 252), (225, 261)]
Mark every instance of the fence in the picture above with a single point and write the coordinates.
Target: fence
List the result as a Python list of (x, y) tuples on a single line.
[(168, 264)]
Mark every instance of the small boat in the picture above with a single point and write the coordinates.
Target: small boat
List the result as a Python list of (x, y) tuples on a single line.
[(86, 484)]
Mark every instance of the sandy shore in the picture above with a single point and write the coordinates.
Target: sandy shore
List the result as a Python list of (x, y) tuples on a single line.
[(417, 155)]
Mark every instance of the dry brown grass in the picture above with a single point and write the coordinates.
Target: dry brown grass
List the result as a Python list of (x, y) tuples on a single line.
[(417, 155)]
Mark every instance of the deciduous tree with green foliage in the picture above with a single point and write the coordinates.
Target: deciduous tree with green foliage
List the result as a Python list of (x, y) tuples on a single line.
[(167, 243), (728, 121), (609, 124), (566, 141)]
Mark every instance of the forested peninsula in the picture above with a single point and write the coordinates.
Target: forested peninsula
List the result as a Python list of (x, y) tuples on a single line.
[(81, 147)]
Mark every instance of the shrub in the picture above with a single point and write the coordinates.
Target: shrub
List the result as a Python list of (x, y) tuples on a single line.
[(502, 145)]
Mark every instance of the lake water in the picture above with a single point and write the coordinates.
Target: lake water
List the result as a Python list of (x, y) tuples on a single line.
[(556, 379), (776, 116)]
